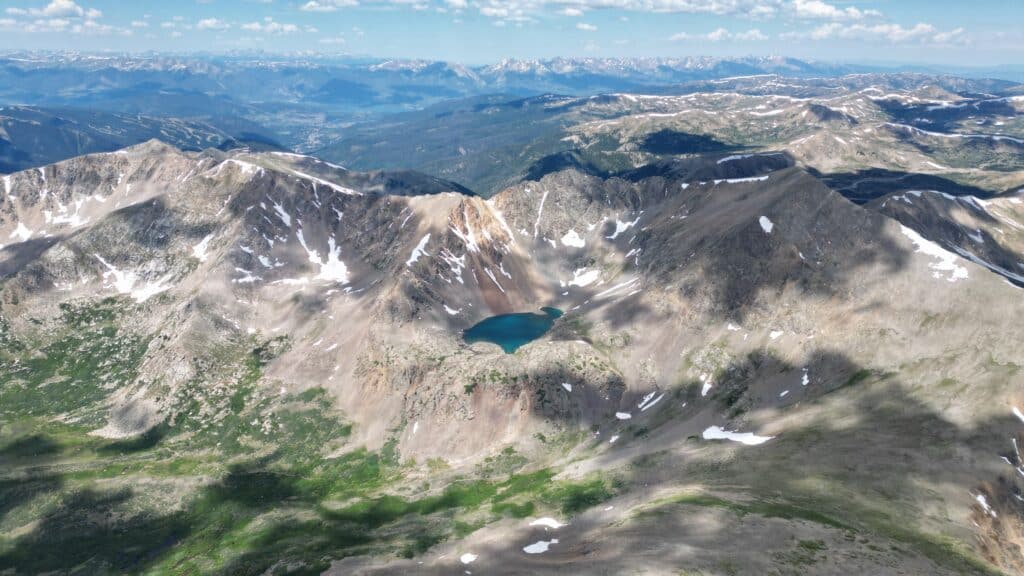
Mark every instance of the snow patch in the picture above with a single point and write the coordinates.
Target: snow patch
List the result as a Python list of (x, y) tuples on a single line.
[(333, 270), (419, 250), (199, 250), (980, 498), (766, 224), (944, 261), (574, 240), (540, 547), (740, 180), (748, 438), (647, 403), (547, 523), (322, 182), (127, 282), (540, 212), (21, 232), (582, 277), (1018, 413), (621, 227), (285, 217)]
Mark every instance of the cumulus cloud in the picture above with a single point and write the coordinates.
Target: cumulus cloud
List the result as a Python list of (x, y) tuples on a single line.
[(212, 24), (519, 11), (59, 16), (55, 9), (886, 32), (721, 35), (270, 26), (586, 27), (819, 10), (327, 5)]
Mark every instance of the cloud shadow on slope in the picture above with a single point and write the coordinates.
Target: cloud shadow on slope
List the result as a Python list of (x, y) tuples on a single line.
[(868, 459), (865, 185), (859, 459)]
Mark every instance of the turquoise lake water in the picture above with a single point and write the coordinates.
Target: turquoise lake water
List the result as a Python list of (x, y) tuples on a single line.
[(510, 331)]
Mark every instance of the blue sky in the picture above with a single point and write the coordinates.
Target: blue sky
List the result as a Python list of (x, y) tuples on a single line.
[(980, 33)]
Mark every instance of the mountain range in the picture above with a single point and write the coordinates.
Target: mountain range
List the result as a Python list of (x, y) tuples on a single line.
[(268, 315), (203, 349)]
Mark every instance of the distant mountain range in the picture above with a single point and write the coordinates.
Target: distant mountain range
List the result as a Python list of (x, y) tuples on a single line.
[(175, 85)]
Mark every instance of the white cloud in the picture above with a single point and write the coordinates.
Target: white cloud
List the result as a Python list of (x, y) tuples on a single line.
[(721, 35), (327, 5), (270, 26), (586, 27), (745, 8), (819, 10), (58, 9), (572, 12), (94, 28), (954, 36), (750, 35), (63, 16), (212, 24), (140, 24), (888, 32), (333, 41)]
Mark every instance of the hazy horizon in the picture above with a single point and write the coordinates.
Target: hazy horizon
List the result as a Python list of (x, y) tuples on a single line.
[(481, 31)]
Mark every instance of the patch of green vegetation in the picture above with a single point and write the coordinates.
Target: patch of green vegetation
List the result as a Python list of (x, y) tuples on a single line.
[(806, 553), (577, 497), (941, 550), (514, 510), (857, 377), (425, 540), (89, 355), (501, 464), (767, 509), (812, 545)]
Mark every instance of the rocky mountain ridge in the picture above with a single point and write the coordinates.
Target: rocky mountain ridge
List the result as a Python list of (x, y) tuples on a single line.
[(714, 298)]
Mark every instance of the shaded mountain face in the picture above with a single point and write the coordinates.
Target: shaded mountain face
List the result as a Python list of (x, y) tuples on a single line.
[(207, 348), (31, 137), (987, 232)]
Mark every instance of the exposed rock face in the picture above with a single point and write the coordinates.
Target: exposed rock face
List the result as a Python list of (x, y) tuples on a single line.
[(745, 290)]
